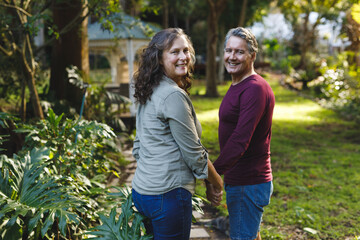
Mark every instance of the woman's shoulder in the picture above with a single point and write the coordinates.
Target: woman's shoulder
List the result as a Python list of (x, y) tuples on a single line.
[(168, 87)]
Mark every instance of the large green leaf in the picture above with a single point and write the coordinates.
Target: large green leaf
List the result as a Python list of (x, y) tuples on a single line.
[(110, 228), (129, 224), (34, 196)]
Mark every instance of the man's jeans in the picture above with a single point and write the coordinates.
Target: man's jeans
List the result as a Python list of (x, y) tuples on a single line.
[(246, 206)]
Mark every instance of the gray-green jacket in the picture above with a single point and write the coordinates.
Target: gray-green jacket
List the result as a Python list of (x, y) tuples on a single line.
[(167, 146)]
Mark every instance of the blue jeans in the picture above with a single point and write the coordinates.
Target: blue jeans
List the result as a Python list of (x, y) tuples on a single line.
[(245, 205), (169, 214)]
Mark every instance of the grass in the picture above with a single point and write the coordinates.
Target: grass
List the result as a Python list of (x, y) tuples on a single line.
[(315, 161)]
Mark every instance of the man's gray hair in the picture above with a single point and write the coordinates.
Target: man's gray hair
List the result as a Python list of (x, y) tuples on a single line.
[(244, 34)]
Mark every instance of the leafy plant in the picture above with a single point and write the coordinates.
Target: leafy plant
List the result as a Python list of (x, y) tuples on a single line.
[(99, 102), (338, 87), (84, 152), (31, 200), (76, 145), (110, 228)]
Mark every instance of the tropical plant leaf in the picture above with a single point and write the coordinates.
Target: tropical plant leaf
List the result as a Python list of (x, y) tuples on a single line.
[(5, 186), (117, 98), (33, 195), (111, 228)]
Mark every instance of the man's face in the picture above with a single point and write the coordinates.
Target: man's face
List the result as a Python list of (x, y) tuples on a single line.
[(237, 58)]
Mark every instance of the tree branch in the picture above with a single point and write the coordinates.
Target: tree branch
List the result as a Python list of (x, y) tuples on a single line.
[(16, 8), (220, 5), (77, 20), (23, 56), (6, 52), (211, 4)]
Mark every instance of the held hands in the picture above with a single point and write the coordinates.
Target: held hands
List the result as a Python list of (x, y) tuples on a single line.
[(214, 195)]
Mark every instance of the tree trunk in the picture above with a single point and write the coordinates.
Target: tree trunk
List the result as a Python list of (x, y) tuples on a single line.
[(215, 10), (34, 96), (243, 13), (23, 101), (70, 49), (22, 48), (221, 66), (165, 14)]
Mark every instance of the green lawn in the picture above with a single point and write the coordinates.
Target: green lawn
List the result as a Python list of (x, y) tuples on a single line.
[(316, 163)]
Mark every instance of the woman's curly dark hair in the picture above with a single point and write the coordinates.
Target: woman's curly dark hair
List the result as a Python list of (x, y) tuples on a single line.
[(150, 70)]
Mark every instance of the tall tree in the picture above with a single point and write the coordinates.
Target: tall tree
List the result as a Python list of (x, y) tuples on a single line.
[(17, 30), (165, 22), (20, 24), (351, 27), (71, 48), (299, 14), (216, 7), (243, 13)]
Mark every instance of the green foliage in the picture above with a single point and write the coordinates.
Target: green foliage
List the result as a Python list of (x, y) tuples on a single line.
[(129, 224), (86, 156), (5, 119), (276, 53), (31, 200), (304, 75), (81, 151), (9, 81), (339, 85), (37, 190), (99, 105)]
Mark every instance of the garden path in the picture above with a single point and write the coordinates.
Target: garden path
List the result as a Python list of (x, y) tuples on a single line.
[(200, 230)]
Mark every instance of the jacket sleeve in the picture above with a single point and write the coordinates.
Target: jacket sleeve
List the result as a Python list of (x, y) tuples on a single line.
[(135, 151), (178, 110)]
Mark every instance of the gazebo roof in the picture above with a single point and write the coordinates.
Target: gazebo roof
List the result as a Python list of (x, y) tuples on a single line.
[(125, 27)]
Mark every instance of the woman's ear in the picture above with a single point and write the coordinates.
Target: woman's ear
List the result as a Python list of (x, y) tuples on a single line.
[(253, 56)]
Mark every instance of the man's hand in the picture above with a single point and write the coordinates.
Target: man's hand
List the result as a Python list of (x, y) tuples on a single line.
[(213, 195)]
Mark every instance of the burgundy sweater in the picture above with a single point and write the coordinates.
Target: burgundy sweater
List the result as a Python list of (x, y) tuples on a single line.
[(245, 118)]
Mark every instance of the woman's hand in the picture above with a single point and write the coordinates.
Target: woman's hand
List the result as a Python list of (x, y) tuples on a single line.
[(213, 194)]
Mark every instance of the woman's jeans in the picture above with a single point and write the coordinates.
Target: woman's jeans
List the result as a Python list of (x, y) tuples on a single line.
[(169, 214), (246, 206)]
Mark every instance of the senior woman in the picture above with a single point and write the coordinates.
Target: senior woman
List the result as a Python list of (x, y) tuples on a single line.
[(167, 145)]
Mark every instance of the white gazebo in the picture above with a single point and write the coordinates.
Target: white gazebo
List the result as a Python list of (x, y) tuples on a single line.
[(122, 44)]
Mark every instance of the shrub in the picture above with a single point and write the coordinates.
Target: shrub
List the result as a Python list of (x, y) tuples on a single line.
[(31, 200), (76, 163), (338, 87)]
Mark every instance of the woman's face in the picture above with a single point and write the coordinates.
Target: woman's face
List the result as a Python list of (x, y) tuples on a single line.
[(176, 59)]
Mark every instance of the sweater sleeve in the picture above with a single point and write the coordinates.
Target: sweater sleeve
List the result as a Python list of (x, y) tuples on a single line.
[(251, 108)]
